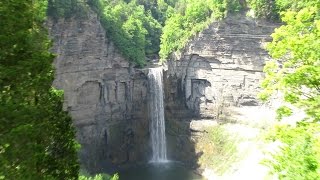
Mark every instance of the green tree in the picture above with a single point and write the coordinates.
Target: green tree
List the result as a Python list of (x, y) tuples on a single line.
[(299, 155), (67, 9), (132, 29), (36, 135), (271, 9), (295, 71), (267, 9)]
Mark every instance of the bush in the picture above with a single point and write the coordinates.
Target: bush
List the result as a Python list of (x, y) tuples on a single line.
[(84, 175), (100, 177)]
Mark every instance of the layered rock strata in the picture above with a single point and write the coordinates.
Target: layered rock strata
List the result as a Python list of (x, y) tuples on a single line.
[(105, 95), (221, 68)]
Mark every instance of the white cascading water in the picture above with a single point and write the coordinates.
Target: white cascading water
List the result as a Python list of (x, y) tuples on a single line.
[(156, 110)]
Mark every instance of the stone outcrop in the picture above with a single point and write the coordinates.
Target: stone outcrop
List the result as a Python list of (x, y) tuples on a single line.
[(105, 95), (219, 69)]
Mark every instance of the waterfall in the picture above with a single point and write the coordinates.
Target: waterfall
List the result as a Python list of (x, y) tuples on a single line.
[(156, 111)]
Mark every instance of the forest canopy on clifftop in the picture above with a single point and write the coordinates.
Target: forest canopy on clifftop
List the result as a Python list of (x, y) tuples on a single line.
[(148, 28), (152, 29)]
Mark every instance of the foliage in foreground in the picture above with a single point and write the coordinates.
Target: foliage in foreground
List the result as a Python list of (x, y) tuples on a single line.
[(217, 146), (295, 71), (36, 135), (299, 155), (85, 176)]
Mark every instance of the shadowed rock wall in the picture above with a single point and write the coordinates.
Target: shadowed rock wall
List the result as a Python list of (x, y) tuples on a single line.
[(219, 69), (105, 95)]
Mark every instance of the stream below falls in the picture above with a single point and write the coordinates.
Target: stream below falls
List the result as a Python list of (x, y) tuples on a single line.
[(159, 171)]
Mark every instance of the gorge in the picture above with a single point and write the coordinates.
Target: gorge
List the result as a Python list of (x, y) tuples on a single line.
[(218, 71), (159, 89)]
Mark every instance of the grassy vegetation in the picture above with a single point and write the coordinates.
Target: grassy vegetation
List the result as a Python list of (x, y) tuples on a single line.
[(219, 149)]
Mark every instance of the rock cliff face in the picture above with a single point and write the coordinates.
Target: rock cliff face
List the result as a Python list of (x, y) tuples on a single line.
[(219, 69), (106, 97)]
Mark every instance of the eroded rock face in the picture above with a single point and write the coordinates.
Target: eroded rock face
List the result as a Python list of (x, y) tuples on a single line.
[(219, 69), (106, 97), (222, 66)]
